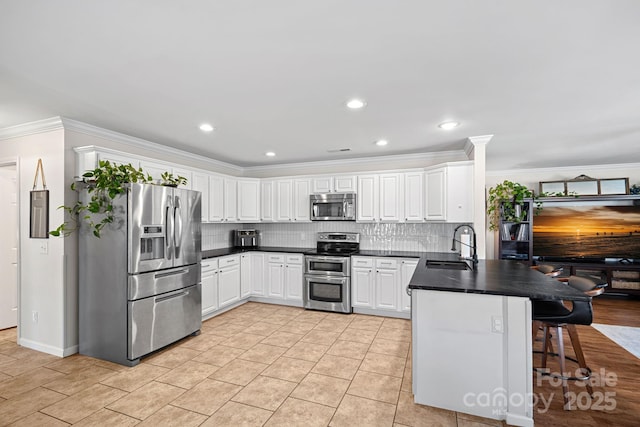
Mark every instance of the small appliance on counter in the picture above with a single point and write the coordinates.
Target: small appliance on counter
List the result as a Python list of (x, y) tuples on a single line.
[(248, 238)]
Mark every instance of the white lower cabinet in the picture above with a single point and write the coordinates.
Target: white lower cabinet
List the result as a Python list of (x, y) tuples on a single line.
[(407, 268), (284, 276), (379, 283), (228, 280), (246, 275), (209, 280), (257, 273), (362, 280), (386, 284), (293, 277)]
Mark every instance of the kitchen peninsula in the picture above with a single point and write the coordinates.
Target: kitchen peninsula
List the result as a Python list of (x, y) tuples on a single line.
[(471, 334)]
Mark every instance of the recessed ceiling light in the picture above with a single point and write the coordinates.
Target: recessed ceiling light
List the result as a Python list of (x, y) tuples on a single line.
[(206, 127), (355, 104), (381, 142), (448, 125), (270, 154)]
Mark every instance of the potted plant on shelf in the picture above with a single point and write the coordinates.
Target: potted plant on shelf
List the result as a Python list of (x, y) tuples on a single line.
[(507, 199), (104, 184)]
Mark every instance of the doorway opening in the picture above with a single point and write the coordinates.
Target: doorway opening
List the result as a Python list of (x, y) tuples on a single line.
[(9, 239)]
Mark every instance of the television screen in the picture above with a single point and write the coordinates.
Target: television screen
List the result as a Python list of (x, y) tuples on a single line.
[(587, 230)]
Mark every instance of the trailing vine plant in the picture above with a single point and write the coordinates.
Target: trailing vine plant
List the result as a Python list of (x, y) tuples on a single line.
[(104, 184)]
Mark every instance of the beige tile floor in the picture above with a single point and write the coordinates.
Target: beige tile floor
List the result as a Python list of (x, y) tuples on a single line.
[(255, 365)]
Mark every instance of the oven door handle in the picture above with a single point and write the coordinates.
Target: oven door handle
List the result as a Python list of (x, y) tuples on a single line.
[(338, 280)]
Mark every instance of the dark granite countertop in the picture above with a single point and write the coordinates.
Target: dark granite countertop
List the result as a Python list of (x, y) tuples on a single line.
[(307, 251), (212, 253), (493, 277), (400, 254)]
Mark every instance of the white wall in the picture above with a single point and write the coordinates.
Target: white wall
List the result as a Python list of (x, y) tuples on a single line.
[(42, 284), (532, 177)]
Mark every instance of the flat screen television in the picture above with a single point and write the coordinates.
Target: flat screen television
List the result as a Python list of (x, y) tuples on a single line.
[(589, 230)]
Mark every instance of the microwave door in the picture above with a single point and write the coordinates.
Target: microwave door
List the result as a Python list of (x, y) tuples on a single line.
[(149, 228)]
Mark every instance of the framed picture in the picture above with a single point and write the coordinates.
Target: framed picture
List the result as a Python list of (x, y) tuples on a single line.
[(553, 187), (583, 187), (614, 186)]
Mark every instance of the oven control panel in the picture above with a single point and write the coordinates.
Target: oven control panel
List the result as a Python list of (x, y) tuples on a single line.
[(338, 237)]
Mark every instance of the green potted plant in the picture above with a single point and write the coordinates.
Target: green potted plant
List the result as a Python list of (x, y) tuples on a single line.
[(105, 183), (169, 180), (506, 199)]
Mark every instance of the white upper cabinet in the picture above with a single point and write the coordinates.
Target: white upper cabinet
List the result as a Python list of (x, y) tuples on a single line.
[(449, 192), (323, 184), (367, 205), (216, 198), (267, 200), (460, 192), (291, 200), (231, 199), (200, 182), (334, 184), (114, 159), (284, 200), (414, 197), (249, 200), (380, 198), (435, 206), (391, 197), (301, 208)]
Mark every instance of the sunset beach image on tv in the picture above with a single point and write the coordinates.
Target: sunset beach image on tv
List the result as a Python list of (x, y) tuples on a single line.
[(587, 231)]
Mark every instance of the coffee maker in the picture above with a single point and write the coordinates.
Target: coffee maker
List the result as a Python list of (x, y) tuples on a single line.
[(248, 238)]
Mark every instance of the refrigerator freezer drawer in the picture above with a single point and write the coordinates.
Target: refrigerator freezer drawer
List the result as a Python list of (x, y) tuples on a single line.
[(158, 282), (160, 320)]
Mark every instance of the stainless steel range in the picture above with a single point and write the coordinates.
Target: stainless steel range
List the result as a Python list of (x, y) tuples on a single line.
[(327, 278)]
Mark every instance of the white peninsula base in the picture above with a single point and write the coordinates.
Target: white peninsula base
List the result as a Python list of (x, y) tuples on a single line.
[(472, 354)]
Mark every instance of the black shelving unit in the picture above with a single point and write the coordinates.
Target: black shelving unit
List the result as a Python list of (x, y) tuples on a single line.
[(516, 237)]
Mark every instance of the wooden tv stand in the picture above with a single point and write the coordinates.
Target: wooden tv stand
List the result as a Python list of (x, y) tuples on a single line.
[(623, 278)]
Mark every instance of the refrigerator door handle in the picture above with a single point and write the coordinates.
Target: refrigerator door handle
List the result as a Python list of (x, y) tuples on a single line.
[(177, 232), (168, 232)]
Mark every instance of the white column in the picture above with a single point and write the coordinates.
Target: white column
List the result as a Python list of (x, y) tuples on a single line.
[(476, 149)]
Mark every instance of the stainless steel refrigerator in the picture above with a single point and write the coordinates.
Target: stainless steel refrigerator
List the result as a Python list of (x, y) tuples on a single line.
[(139, 283)]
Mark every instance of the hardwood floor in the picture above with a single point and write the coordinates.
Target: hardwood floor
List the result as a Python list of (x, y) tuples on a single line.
[(615, 379)]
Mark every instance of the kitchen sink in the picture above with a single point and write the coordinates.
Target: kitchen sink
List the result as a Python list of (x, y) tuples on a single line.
[(448, 265)]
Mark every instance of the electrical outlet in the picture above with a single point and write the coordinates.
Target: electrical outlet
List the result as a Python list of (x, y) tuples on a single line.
[(496, 324), (34, 316), (44, 247)]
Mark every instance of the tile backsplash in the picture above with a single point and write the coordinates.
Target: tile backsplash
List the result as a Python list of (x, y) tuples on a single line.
[(431, 237)]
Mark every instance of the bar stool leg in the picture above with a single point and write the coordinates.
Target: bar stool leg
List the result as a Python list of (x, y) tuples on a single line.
[(565, 386), (577, 348), (545, 339)]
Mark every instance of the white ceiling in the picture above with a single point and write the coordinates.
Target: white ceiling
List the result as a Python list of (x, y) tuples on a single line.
[(557, 83)]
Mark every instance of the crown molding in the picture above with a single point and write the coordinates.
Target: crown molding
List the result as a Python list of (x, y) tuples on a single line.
[(133, 141), (573, 169), (359, 161), (31, 128)]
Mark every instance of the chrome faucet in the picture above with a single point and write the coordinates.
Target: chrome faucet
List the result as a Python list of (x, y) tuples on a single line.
[(474, 256)]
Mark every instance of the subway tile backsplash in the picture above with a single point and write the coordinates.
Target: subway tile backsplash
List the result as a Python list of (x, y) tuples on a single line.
[(430, 237)]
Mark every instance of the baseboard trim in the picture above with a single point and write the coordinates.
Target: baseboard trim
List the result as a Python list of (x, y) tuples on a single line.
[(43, 348)]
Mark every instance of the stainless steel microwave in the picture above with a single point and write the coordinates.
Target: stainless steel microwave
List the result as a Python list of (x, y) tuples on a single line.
[(333, 207)]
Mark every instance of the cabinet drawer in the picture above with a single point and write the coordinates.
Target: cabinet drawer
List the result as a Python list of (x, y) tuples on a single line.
[(362, 262), (275, 258), (387, 263), (227, 261), (210, 264), (294, 259)]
